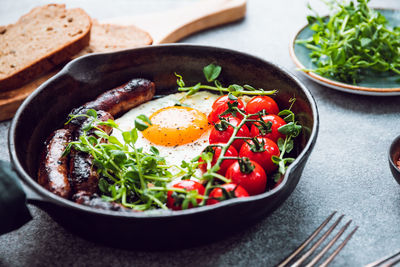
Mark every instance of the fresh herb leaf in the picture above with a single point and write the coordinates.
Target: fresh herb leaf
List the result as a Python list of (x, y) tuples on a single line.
[(211, 72), (92, 113), (142, 122), (103, 185)]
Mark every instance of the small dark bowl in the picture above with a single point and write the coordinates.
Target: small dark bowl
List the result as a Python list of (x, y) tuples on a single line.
[(394, 156), (85, 78)]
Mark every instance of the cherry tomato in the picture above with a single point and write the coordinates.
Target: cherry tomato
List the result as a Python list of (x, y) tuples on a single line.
[(216, 195), (274, 135), (231, 152), (259, 103), (175, 202), (260, 153), (223, 100), (223, 136), (221, 105), (254, 181)]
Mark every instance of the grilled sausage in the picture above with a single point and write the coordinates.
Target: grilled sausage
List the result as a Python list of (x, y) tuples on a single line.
[(122, 98), (82, 173), (101, 115), (93, 200), (53, 169)]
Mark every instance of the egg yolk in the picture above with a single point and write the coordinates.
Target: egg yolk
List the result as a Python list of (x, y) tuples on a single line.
[(172, 126)]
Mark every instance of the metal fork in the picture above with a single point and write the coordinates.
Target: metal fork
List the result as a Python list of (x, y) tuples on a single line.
[(387, 261), (299, 261)]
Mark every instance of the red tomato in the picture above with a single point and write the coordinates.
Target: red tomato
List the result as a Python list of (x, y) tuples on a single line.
[(261, 154), (223, 100), (175, 203), (259, 103), (216, 195), (274, 135), (221, 105), (223, 136), (254, 182), (231, 152)]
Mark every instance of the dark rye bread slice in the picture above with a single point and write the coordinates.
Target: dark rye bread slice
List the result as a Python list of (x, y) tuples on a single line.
[(103, 38), (109, 38), (38, 41)]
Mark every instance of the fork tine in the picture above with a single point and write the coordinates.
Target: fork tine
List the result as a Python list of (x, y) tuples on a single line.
[(338, 249), (328, 246), (392, 258), (316, 245), (306, 242), (392, 262)]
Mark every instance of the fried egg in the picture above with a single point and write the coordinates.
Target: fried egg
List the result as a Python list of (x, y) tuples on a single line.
[(178, 132)]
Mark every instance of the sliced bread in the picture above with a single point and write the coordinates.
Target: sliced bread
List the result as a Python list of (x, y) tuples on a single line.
[(38, 41), (109, 37), (103, 38)]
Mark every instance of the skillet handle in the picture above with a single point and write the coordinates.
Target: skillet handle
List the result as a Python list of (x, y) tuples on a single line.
[(13, 210), (31, 196)]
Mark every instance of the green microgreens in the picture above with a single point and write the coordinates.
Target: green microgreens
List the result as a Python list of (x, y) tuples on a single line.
[(128, 175), (291, 130), (211, 73), (352, 42)]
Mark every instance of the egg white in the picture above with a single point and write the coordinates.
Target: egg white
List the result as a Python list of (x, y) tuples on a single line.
[(202, 101)]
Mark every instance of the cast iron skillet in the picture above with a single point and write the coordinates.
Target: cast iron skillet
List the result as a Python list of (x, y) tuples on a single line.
[(85, 78)]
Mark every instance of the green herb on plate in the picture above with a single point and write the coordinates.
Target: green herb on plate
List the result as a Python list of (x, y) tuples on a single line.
[(353, 42)]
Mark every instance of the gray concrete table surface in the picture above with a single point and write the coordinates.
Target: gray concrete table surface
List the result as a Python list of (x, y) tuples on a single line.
[(347, 171)]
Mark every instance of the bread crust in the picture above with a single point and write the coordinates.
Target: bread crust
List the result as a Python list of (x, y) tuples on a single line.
[(35, 65), (109, 40)]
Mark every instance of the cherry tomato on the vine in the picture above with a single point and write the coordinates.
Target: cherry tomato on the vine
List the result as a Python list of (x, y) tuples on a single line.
[(261, 151), (223, 100), (273, 134), (251, 177), (175, 200), (222, 135), (259, 103), (221, 105), (231, 152), (233, 191)]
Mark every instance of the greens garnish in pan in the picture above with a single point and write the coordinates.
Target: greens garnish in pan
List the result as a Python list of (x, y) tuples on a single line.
[(211, 73), (354, 41)]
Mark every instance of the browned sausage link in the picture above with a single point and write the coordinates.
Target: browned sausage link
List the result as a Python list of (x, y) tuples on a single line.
[(53, 169), (102, 116), (82, 173), (93, 200), (122, 98)]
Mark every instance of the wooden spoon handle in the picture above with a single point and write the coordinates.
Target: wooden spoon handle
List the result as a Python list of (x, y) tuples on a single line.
[(172, 25)]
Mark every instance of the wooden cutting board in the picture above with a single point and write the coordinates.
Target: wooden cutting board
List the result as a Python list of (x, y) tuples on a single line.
[(164, 27)]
